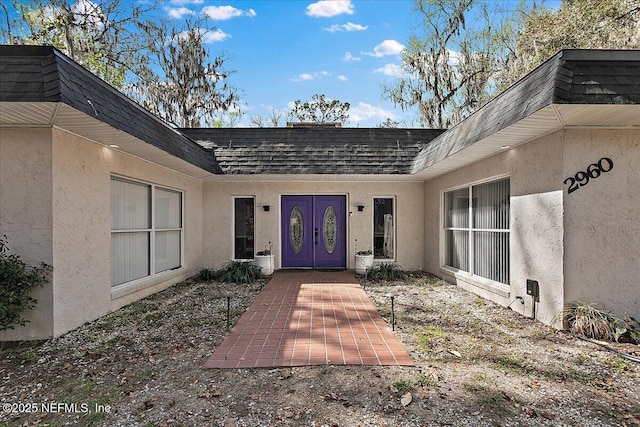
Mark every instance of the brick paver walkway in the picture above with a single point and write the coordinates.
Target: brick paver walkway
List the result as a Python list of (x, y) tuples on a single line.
[(310, 318)]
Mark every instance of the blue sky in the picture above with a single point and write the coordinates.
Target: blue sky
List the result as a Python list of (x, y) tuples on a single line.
[(291, 49), (284, 50)]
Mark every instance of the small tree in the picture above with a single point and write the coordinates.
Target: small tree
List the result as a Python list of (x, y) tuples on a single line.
[(17, 280), (320, 110), (274, 120), (389, 124)]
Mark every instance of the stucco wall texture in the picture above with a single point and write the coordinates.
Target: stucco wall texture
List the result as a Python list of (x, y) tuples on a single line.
[(26, 215), (535, 172), (74, 213), (579, 246), (218, 221), (602, 221)]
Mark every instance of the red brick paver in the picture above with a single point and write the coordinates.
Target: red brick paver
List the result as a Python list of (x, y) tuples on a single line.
[(310, 318)]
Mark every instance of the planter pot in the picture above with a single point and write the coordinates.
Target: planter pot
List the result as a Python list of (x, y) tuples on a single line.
[(266, 264), (363, 263)]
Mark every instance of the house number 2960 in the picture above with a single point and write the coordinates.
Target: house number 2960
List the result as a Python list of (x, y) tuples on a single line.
[(581, 178)]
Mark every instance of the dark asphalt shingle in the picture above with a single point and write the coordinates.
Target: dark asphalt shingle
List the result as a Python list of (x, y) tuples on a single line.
[(569, 77), (43, 74), (313, 150)]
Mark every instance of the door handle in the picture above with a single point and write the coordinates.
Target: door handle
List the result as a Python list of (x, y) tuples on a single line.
[(316, 236)]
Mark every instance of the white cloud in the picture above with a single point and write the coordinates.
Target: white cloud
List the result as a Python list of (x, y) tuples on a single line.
[(89, 14), (349, 26), (179, 12), (349, 57), (310, 76), (392, 70), (342, 78), (303, 77), (329, 8), (387, 47), (364, 111), (222, 13), (215, 36)]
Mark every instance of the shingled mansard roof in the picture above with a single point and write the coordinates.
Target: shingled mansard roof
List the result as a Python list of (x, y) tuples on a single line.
[(564, 91), (575, 88), (314, 150), (42, 74)]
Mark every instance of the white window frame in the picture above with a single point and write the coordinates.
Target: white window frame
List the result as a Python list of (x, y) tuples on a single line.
[(152, 233), (233, 227), (471, 231), (395, 228)]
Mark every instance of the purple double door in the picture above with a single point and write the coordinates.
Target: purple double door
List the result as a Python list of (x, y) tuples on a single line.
[(314, 232)]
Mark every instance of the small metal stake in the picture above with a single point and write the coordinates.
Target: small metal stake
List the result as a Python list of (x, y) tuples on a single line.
[(228, 296), (393, 312)]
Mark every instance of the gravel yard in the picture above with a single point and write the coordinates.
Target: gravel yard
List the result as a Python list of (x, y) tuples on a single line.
[(477, 364)]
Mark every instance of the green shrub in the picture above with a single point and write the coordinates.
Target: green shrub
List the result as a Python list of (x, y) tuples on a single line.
[(239, 272), (386, 271), (17, 279), (628, 330)]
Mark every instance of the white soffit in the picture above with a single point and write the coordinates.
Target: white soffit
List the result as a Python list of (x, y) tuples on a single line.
[(21, 114), (541, 123), (615, 116)]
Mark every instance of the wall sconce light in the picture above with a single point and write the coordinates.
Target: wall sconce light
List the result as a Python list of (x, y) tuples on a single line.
[(266, 208), (360, 208)]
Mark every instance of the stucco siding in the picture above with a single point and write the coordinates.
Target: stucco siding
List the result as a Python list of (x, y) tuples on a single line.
[(26, 215), (602, 221), (536, 224), (82, 172), (218, 220)]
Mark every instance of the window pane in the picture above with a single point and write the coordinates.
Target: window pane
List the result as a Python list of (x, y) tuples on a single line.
[(492, 255), (129, 257), (167, 250), (168, 209), (130, 209), (457, 249), (243, 228), (491, 205), (456, 209), (383, 228)]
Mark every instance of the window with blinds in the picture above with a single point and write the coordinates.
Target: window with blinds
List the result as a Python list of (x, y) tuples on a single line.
[(476, 230), (146, 230)]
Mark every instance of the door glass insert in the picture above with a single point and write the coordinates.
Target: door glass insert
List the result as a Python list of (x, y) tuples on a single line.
[(296, 229), (330, 229)]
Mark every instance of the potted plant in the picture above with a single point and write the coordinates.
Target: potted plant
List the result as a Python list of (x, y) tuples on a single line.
[(265, 260), (364, 261)]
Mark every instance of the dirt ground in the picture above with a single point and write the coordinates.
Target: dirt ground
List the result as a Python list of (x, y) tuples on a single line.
[(477, 364)]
